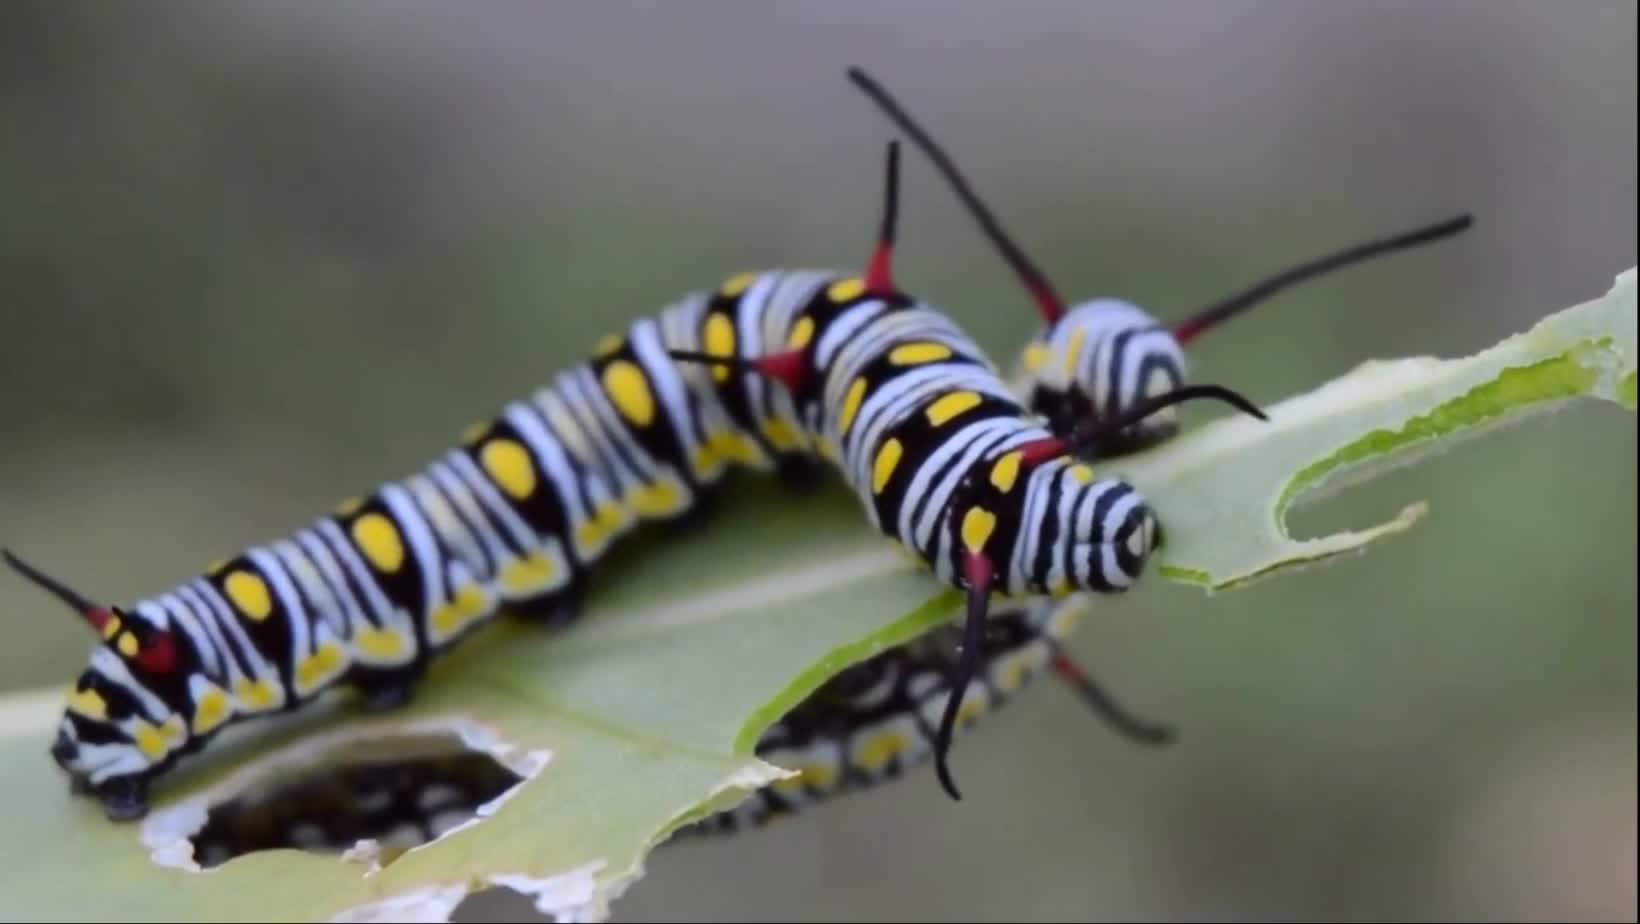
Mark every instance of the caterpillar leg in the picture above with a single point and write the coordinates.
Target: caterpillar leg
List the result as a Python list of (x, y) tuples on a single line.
[(801, 475), (125, 798), (557, 609), (385, 691)]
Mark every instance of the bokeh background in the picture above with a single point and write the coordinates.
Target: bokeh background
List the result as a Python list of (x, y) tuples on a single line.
[(254, 257)]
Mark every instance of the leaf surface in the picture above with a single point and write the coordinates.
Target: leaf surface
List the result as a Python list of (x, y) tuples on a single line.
[(645, 714)]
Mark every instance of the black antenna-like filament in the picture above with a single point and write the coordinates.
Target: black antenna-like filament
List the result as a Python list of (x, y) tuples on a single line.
[(1089, 433), (1232, 305), (880, 270), (1042, 291)]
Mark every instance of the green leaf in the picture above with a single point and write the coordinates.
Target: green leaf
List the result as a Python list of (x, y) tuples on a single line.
[(1223, 492), (645, 715)]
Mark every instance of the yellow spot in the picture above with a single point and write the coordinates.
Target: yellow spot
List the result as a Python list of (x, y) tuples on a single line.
[(655, 500), (210, 710), (469, 604), (720, 341), (1036, 356), (883, 469), (111, 628), (256, 695), (827, 450), (914, 354), (509, 464), (802, 333), (346, 508), (589, 535), (731, 445), (1011, 676), (595, 531), (1072, 349), (977, 525), (820, 776), (973, 704), (949, 406), (320, 666), (607, 344), (88, 703), (250, 594), (1082, 473), (626, 387), (1064, 622), (1064, 588), (528, 575), (1006, 471), (705, 459), (156, 742), (150, 740), (737, 284), (851, 404), (782, 434), (128, 645), (380, 644), (877, 753), (379, 539), (474, 432), (845, 290)]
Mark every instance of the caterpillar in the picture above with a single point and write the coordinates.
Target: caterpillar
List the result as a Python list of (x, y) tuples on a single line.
[(1094, 359), (876, 719), (784, 365)]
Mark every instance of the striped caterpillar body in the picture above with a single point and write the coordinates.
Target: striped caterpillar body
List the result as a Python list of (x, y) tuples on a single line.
[(1096, 359), (879, 718), (771, 368)]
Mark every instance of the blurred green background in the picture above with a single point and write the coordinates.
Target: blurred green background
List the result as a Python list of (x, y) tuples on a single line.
[(256, 257)]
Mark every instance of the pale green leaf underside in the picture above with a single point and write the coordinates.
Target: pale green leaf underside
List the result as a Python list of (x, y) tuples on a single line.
[(1223, 491), (647, 711)]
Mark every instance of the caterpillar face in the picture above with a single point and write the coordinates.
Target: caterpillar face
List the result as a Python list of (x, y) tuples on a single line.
[(1121, 539), (122, 724), (1100, 537), (1101, 357)]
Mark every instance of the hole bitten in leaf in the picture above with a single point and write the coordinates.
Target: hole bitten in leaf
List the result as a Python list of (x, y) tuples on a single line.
[(365, 795)]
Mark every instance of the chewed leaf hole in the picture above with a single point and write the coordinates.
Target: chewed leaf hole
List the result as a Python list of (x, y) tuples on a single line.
[(399, 802), (366, 795)]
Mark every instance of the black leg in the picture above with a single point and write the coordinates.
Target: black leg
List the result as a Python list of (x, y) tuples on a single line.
[(125, 799), (385, 691), (554, 610), (801, 474)]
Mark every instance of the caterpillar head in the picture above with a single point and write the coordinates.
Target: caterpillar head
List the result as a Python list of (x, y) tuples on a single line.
[(123, 723), (1099, 358)]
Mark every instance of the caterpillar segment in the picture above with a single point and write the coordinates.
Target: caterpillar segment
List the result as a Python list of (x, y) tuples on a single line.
[(1095, 358), (516, 517)]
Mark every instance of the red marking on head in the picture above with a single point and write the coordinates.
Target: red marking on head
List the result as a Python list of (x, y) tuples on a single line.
[(976, 568), (1068, 669), (790, 368), (1048, 303), (1039, 451), (159, 655), (1187, 331), (880, 271), (97, 616)]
